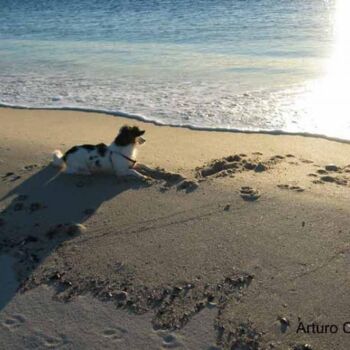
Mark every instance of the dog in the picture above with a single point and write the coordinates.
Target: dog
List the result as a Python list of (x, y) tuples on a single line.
[(119, 157)]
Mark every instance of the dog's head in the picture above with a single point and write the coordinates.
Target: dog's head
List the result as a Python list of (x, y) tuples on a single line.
[(130, 135)]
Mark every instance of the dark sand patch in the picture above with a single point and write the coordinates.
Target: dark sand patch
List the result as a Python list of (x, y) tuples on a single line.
[(241, 336), (332, 173), (237, 163), (334, 179), (173, 306)]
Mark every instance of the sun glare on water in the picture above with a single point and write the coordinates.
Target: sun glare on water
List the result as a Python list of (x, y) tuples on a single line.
[(329, 103)]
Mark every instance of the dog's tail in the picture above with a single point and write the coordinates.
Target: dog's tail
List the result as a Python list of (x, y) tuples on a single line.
[(57, 159)]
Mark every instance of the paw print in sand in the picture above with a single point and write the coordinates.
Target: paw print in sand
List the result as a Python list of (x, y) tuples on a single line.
[(14, 321), (249, 194), (115, 334)]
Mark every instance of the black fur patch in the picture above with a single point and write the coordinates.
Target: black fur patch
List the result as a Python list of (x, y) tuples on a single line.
[(101, 149), (88, 147), (127, 135), (70, 151), (98, 164)]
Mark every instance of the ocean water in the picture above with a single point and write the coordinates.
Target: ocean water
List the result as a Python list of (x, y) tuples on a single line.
[(225, 64)]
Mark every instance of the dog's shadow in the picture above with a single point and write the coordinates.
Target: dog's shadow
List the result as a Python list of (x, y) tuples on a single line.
[(44, 210)]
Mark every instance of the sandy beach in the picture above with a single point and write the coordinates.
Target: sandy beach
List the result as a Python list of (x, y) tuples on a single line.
[(237, 239)]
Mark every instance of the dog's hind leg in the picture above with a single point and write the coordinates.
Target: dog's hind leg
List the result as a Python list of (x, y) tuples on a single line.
[(70, 171)]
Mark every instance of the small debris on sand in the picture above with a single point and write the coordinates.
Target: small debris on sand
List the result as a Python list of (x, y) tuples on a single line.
[(284, 324)]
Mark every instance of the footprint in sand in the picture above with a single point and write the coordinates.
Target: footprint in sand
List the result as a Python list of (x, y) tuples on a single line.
[(10, 176), (318, 182), (327, 175), (336, 180), (249, 194), (291, 188), (115, 334), (306, 161), (229, 165), (30, 167), (14, 321), (53, 342), (277, 157), (187, 186), (169, 341)]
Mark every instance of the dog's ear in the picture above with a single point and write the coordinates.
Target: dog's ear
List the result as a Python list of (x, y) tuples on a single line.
[(124, 129), (137, 131)]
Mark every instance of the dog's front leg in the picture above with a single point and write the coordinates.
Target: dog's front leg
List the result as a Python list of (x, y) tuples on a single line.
[(135, 173)]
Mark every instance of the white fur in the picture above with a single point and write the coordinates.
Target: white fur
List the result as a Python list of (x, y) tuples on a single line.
[(80, 162)]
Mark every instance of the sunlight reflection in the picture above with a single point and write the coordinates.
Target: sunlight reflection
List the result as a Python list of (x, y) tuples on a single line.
[(329, 103)]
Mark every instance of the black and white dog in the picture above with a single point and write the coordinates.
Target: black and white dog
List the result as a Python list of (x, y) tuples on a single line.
[(119, 157)]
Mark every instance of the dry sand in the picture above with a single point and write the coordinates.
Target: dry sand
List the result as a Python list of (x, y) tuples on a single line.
[(238, 238)]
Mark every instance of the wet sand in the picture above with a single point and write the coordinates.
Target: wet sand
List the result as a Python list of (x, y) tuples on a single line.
[(236, 240)]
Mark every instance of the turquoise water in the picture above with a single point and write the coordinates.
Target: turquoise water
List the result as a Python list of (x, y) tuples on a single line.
[(239, 64)]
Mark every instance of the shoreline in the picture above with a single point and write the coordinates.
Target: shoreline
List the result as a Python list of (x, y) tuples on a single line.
[(274, 132)]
